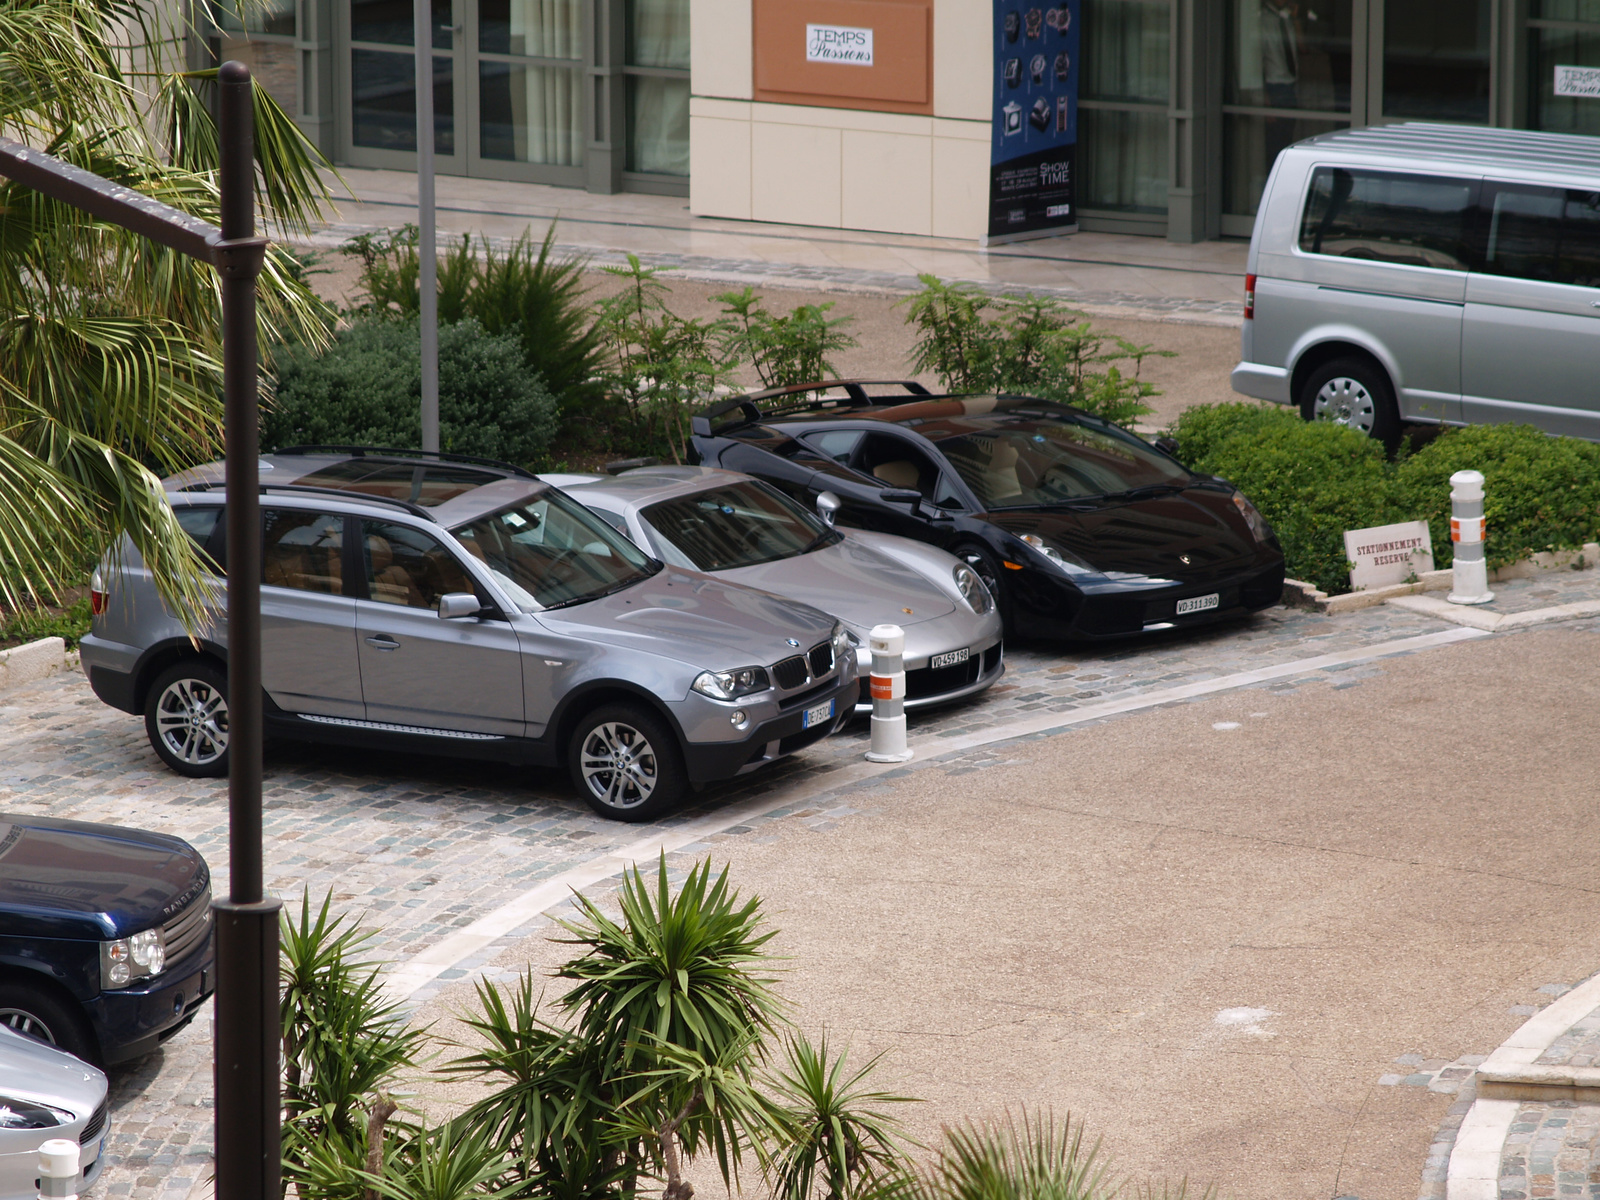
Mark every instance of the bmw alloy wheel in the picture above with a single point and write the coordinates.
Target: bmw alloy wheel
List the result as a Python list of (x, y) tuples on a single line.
[(192, 721), (619, 765), (1346, 401)]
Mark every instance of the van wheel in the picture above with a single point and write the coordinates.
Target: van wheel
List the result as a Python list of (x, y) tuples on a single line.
[(186, 718), (626, 763), (39, 1014), (1354, 393)]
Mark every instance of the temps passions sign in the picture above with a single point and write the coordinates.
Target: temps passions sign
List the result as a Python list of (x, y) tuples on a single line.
[(838, 44)]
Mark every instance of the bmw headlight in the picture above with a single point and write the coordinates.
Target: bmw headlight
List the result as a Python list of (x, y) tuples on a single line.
[(1253, 518), (127, 959), (842, 643), (972, 589), (730, 685)]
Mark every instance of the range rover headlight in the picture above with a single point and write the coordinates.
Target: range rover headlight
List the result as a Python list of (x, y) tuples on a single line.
[(972, 589), (127, 959), (730, 685), (842, 642)]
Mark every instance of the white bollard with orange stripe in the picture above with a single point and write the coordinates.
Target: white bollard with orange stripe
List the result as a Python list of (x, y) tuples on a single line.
[(888, 682), (1469, 580), (58, 1169)]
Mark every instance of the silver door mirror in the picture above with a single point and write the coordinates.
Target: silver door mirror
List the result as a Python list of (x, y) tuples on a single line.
[(827, 506), (455, 605)]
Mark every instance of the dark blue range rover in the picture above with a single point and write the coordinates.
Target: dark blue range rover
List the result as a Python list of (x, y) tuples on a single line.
[(105, 935)]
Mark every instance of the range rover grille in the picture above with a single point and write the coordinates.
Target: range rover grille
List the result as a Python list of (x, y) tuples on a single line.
[(186, 931)]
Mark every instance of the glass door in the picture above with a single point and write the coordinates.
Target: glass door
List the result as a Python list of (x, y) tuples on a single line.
[(526, 89), (1433, 62), (382, 129)]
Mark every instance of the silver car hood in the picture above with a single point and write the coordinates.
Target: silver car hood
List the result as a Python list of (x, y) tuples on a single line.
[(709, 622), (854, 582), (31, 1070)]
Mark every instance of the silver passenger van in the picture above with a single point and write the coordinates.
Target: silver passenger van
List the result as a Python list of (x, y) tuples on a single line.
[(1441, 274)]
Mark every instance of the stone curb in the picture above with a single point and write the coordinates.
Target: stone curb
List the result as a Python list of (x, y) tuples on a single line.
[(1510, 1076), (1297, 593), (33, 661)]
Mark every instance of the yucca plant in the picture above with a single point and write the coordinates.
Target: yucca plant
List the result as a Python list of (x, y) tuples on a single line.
[(1022, 1157), (836, 1138)]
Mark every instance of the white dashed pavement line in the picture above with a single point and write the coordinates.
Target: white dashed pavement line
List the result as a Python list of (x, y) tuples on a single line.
[(406, 978)]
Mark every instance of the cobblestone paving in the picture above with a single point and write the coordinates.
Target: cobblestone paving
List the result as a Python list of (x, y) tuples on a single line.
[(742, 270), (1578, 1047), (421, 846), (1552, 1150)]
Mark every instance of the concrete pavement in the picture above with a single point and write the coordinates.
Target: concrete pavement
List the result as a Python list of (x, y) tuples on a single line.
[(1212, 930)]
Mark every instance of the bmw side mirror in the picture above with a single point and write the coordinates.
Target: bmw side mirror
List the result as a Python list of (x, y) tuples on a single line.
[(455, 605), (827, 506)]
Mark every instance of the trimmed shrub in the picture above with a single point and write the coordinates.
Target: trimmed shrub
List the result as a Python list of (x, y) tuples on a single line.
[(1312, 481), (1540, 492), (366, 390)]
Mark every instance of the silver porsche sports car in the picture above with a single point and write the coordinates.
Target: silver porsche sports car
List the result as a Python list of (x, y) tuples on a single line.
[(746, 531), (45, 1094)]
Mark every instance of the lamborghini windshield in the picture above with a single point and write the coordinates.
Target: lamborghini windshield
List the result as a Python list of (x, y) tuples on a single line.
[(1021, 463)]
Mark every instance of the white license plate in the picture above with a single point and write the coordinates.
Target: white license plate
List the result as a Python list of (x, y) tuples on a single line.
[(817, 715), (1196, 604), (950, 658)]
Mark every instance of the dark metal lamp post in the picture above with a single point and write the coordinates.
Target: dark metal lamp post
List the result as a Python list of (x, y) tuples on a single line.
[(249, 1152)]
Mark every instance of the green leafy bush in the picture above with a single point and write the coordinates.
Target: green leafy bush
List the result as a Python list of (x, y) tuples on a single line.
[(1315, 480), (366, 390), (1026, 345), (527, 292), (30, 625), (786, 348)]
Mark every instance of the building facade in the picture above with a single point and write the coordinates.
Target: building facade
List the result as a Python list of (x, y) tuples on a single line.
[(1183, 104)]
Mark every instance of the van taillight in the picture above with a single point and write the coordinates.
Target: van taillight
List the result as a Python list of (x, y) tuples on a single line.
[(97, 595), (1249, 297)]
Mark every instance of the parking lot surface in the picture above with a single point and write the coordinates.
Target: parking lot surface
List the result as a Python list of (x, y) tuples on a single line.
[(422, 846)]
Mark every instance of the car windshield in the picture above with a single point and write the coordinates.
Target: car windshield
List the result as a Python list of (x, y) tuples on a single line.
[(737, 525), (1022, 463), (551, 552)]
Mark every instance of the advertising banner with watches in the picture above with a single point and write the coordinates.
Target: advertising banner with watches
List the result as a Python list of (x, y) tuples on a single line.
[(1033, 161)]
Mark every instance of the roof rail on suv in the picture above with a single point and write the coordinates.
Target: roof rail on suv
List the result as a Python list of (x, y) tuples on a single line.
[(390, 451), (416, 510), (751, 407)]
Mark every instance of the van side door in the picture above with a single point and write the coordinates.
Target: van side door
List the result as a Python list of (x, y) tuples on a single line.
[(1532, 332), (1386, 254)]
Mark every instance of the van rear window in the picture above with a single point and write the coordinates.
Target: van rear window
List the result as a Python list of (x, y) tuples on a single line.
[(1416, 220)]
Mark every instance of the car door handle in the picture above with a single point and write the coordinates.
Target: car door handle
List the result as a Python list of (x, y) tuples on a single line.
[(383, 642)]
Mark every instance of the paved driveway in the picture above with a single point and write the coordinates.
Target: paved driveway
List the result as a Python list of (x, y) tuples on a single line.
[(423, 846)]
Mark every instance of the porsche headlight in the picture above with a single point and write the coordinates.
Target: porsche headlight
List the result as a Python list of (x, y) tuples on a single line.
[(138, 957), (730, 685), (1253, 518), (972, 589)]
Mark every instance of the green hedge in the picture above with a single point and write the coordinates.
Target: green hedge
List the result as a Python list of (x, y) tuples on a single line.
[(1315, 480), (366, 390)]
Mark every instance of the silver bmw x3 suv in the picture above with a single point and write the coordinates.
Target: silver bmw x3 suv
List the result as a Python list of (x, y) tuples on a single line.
[(450, 606)]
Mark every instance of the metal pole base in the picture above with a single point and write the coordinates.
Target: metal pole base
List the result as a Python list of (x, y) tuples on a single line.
[(249, 1141)]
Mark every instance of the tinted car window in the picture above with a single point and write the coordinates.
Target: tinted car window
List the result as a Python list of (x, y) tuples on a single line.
[(736, 526), (302, 550), (424, 484), (1045, 462), (551, 552), (1417, 220), (837, 444), (405, 566), (896, 462), (200, 523), (1541, 233)]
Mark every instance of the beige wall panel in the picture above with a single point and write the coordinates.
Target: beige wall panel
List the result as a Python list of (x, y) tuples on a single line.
[(887, 182), (961, 186), (719, 167), (795, 174), (962, 58), (720, 58)]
